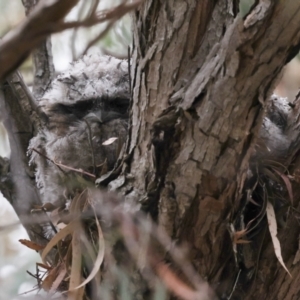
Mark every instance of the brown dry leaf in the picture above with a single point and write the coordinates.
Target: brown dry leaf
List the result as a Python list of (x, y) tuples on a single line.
[(50, 278), (75, 277), (238, 237), (109, 141), (100, 255), (76, 208), (61, 273), (273, 231), (58, 237), (78, 203), (31, 245), (174, 284)]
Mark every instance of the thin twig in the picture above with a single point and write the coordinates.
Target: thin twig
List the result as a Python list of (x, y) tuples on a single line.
[(60, 165), (75, 170), (27, 292), (43, 155)]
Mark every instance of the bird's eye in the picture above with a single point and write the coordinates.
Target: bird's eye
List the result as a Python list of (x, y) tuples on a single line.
[(78, 109)]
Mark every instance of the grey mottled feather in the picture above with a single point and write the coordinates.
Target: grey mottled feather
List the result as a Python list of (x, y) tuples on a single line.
[(86, 104)]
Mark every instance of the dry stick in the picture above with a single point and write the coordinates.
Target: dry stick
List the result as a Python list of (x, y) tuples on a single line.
[(60, 165), (43, 155), (27, 292), (75, 170)]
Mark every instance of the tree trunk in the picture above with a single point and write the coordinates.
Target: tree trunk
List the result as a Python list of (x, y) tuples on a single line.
[(201, 78)]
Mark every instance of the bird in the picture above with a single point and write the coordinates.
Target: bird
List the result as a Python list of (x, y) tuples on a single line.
[(84, 107)]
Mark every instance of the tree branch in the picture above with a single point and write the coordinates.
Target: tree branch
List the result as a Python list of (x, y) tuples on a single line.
[(45, 19), (17, 44), (17, 180)]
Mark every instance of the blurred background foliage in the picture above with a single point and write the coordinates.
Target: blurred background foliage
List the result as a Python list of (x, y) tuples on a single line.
[(15, 259)]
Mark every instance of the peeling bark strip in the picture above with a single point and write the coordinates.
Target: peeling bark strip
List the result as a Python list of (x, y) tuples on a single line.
[(215, 86)]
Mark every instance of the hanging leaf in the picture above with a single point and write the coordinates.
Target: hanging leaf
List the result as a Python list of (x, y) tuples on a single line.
[(273, 231), (75, 277), (58, 237), (100, 255)]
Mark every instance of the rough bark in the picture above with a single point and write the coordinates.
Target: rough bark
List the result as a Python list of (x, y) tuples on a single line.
[(42, 60), (198, 99)]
